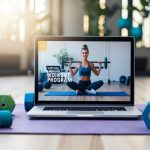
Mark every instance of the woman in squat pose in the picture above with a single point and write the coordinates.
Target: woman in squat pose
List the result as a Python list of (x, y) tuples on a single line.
[(84, 69)]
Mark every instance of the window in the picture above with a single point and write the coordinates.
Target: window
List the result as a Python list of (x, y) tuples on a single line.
[(12, 20), (21, 19)]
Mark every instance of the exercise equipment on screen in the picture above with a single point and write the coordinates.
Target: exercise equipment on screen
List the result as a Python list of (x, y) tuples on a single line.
[(47, 84), (28, 101), (7, 105), (127, 81), (112, 81), (43, 77), (40, 87), (146, 115), (73, 93), (123, 80), (44, 83), (105, 62)]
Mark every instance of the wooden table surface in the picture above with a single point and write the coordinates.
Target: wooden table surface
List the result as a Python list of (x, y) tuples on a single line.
[(18, 85)]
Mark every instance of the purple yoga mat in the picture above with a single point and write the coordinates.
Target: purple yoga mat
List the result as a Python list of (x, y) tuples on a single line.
[(23, 125)]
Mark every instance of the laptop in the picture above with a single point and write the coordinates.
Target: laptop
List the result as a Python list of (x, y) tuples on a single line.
[(84, 77)]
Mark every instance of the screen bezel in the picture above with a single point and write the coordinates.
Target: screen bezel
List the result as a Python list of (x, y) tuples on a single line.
[(85, 38)]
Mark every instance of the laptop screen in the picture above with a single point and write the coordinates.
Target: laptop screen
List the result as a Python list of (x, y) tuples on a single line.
[(84, 69)]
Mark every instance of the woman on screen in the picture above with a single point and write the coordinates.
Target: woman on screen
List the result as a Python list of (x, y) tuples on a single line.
[(85, 68)]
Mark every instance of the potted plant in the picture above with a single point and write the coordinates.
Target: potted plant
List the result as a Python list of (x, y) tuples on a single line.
[(62, 57)]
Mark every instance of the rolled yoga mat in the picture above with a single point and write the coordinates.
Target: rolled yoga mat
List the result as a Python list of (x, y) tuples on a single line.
[(5, 119)]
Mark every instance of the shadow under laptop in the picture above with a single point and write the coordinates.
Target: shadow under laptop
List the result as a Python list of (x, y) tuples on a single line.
[(83, 118)]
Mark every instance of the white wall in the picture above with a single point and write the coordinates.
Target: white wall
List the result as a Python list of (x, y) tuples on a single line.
[(120, 57), (118, 54), (46, 57), (96, 53)]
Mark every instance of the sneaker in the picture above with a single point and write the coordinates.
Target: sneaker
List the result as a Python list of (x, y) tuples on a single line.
[(77, 92), (92, 91)]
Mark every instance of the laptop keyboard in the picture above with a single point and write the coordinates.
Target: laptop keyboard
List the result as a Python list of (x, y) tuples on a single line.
[(84, 109)]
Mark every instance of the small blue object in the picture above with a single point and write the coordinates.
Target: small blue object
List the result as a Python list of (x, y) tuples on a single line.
[(122, 79), (124, 23), (129, 77), (43, 77), (127, 81), (73, 93), (5, 119), (40, 87), (146, 115), (28, 101), (137, 32), (47, 84), (109, 81)]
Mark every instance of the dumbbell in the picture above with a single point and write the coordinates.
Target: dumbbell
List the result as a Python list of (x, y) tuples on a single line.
[(110, 81), (28, 101), (43, 77), (45, 84), (105, 62), (145, 115), (7, 105), (123, 79), (5, 119), (127, 82)]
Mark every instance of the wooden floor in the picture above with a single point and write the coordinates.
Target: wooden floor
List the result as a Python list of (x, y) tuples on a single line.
[(17, 86)]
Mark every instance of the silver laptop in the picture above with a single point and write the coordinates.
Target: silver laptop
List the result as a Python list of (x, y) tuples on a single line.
[(85, 77)]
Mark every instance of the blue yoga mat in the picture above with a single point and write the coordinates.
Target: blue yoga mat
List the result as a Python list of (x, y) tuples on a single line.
[(73, 93)]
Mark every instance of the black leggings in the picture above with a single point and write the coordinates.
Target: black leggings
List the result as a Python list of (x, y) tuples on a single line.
[(83, 85)]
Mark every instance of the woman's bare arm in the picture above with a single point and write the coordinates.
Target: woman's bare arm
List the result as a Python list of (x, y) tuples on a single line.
[(96, 71), (73, 72)]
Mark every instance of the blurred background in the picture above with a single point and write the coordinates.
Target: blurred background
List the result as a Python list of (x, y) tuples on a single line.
[(21, 21)]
